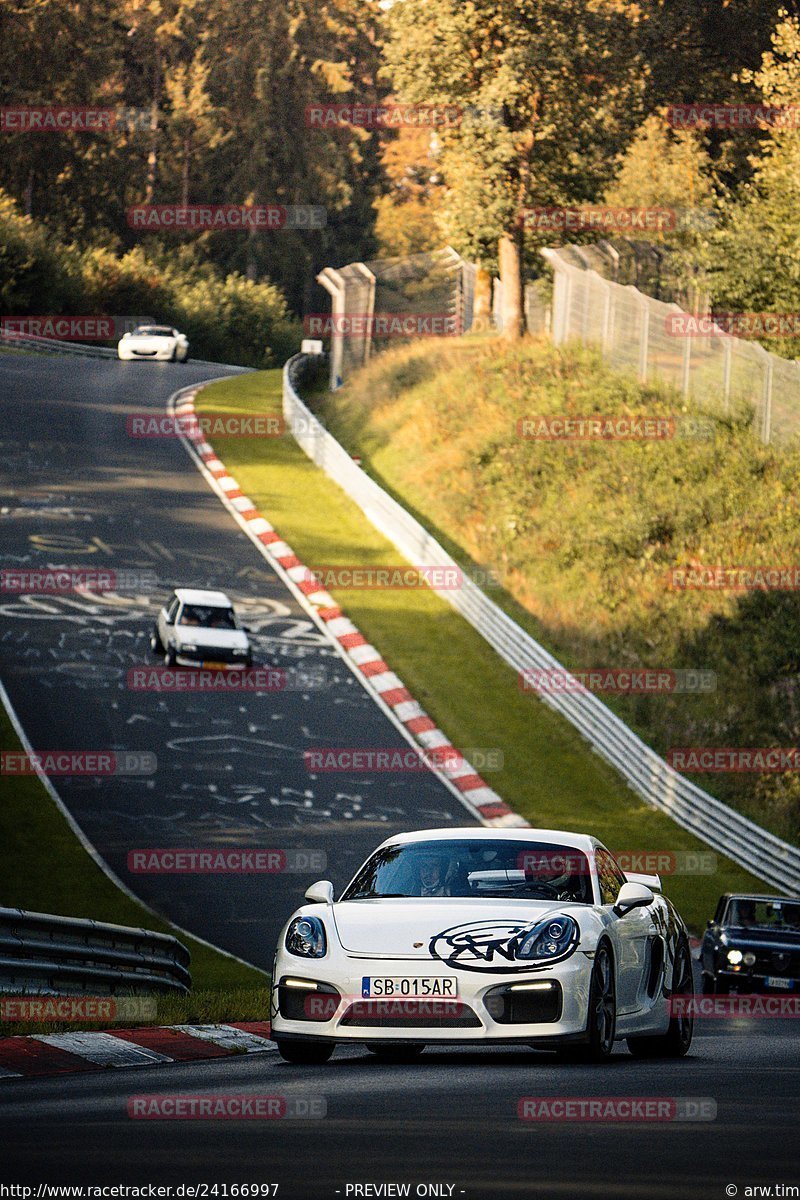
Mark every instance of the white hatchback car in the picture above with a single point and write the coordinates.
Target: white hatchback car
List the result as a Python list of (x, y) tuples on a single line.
[(161, 343), (534, 937), (200, 629)]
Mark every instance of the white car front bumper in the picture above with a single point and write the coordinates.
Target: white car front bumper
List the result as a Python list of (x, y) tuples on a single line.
[(488, 1008)]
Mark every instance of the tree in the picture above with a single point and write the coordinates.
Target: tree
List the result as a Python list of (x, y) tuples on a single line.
[(757, 251), (548, 89), (671, 169)]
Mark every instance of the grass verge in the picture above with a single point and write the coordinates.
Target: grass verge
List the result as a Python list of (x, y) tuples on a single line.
[(549, 775)]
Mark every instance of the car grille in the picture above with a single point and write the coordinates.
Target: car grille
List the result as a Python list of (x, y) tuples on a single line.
[(777, 962), (517, 1006), (410, 1014), (212, 654), (317, 1003)]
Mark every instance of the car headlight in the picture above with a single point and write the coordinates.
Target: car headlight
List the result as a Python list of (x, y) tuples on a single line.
[(551, 939), (749, 959), (306, 937), (188, 646), (735, 957)]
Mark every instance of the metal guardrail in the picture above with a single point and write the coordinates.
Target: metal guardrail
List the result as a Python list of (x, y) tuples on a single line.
[(55, 346), (720, 826), (54, 955)]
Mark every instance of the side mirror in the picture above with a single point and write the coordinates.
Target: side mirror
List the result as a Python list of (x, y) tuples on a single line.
[(709, 923), (632, 895), (167, 619), (321, 892)]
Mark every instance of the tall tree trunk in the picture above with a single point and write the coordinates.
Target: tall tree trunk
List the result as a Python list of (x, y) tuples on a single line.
[(186, 169), (152, 156), (482, 302), (510, 254), (27, 199)]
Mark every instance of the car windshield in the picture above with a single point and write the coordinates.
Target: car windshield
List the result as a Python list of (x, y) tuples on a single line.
[(207, 616), (153, 331), (515, 870), (764, 914)]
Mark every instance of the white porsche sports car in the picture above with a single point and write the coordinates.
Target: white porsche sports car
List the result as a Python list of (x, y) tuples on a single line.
[(484, 935), (160, 343)]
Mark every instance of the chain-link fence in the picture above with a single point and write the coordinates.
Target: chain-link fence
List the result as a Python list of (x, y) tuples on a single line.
[(660, 342), (380, 302)]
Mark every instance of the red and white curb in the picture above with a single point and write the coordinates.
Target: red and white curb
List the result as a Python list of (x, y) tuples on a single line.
[(368, 663), (65, 1053)]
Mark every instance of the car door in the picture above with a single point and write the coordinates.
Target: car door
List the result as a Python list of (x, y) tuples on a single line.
[(633, 935)]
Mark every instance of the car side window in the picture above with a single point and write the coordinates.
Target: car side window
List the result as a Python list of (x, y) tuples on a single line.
[(609, 876), (172, 611)]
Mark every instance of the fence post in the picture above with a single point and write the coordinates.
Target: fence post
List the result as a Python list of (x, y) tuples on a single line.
[(766, 429), (370, 308), (727, 355), (608, 308), (644, 340)]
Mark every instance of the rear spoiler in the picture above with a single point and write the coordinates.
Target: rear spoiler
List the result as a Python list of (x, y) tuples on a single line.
[(651, 881)]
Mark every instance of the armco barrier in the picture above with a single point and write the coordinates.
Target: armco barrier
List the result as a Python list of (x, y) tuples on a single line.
[(721, 827), (47, 954), (54, 346)]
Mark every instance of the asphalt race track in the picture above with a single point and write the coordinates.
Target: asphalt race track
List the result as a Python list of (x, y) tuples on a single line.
[(230, 773), (451, 1118), (230, 769)]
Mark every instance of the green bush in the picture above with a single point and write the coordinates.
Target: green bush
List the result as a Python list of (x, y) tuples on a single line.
[(226, 318)]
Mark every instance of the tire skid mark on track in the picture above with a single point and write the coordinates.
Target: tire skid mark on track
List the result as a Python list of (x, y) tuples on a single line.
[(366, 662)]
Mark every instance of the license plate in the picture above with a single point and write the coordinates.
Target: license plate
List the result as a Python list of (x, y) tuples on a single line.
[(408, 986), (777, 981), (216, 666)]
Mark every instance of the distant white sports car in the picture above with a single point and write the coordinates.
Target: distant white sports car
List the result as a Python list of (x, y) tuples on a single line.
[(484, 935), (159, 342)]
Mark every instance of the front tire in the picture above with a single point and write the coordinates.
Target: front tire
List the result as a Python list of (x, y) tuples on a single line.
[(170, 657), (156, 645), (305, 1054), (602, 1017), (678, 1038), (397, 1054)]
